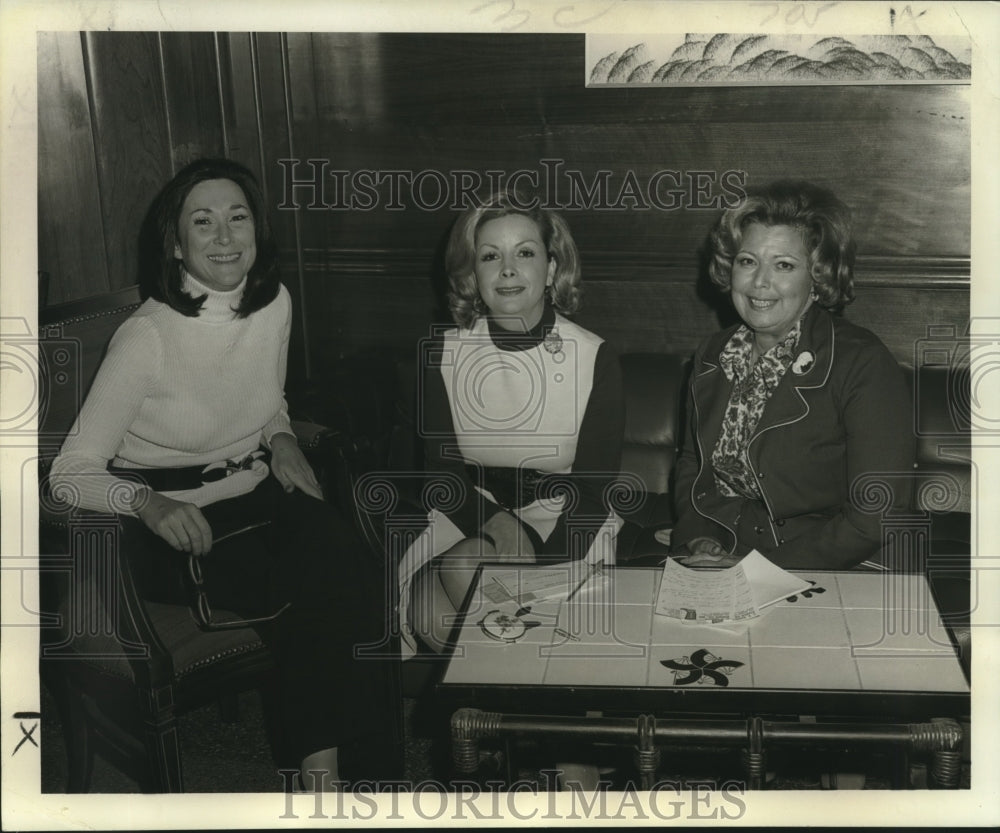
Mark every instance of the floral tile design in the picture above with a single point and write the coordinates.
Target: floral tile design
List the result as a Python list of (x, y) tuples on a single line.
[(886, 637), (500, 622), (700, 666)]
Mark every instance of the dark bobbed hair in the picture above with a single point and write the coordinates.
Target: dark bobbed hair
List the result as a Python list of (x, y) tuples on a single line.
[(162, 272), (464, 299), (825, 223)]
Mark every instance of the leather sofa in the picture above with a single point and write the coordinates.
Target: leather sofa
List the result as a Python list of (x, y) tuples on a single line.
[(372, 399)]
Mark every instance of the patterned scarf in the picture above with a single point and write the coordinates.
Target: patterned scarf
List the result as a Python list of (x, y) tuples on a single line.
[(753, 386)]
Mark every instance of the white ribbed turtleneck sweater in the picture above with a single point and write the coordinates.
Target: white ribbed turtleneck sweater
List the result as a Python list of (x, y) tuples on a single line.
[(176, 391)]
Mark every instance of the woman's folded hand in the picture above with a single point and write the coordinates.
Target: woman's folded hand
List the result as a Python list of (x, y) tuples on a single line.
[(291, 468), (180, 524), (705, 552)]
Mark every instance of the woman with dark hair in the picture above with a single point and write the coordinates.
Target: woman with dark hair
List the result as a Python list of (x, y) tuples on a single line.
[(793, 412), (185, 436), (163, 277), (522, 412)]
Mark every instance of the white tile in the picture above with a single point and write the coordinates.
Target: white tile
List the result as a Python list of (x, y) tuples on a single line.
[(912, 672), (669, 631), (562, 648), (596, 670), (496, 663), (607, 623), (588, 615), (805, 668), (884, 591), (879, 631), (800, 627), (634, 585), (706, 665)]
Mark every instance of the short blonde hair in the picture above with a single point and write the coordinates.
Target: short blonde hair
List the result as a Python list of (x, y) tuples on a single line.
[(464, 299)]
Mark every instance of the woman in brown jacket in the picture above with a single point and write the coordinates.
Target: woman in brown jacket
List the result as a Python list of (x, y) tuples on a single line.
[(799, 422)]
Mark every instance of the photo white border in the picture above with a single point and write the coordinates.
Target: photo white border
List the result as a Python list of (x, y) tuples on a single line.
[(24, 808)]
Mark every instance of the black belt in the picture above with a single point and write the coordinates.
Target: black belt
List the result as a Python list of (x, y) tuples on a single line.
[(188, 477)]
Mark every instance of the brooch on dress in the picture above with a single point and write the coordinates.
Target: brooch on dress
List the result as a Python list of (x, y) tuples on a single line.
[(803, 362), (553, 341)]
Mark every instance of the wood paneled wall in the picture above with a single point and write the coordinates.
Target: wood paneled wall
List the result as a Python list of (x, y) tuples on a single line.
[(120, 112), (117, 115)]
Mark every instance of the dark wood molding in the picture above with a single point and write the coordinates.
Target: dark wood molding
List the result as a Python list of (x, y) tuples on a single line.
[(412, 264)]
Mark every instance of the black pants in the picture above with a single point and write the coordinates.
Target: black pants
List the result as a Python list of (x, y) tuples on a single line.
[(325, 695)]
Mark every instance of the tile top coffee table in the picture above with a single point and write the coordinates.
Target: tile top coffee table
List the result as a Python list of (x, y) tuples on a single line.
[(856, 645)]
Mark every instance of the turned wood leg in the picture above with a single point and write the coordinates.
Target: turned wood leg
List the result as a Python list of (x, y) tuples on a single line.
[(647, 756), (753, 754)]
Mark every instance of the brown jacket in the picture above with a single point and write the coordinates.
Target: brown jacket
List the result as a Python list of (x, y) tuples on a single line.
[(832, 454)]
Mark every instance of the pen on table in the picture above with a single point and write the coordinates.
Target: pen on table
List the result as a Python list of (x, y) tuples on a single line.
[(523, 609), (502, 586), (594, 568)]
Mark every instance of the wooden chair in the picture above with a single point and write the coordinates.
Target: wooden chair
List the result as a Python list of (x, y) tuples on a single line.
[(121, 669)]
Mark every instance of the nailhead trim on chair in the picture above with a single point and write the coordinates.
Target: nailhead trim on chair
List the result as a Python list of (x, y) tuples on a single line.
[(112, 664), (79, 319), (246, 648), (112, 667), (178, 635)]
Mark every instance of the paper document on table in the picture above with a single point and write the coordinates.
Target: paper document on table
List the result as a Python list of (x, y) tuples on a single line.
[(536, 584), (720, 596), (768, 581)]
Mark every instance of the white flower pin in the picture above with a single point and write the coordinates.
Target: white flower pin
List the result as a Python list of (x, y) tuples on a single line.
[(803, 362)]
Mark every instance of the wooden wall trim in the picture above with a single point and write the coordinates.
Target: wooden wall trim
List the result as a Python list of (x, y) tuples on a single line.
[(411, 264), (303, 320)]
